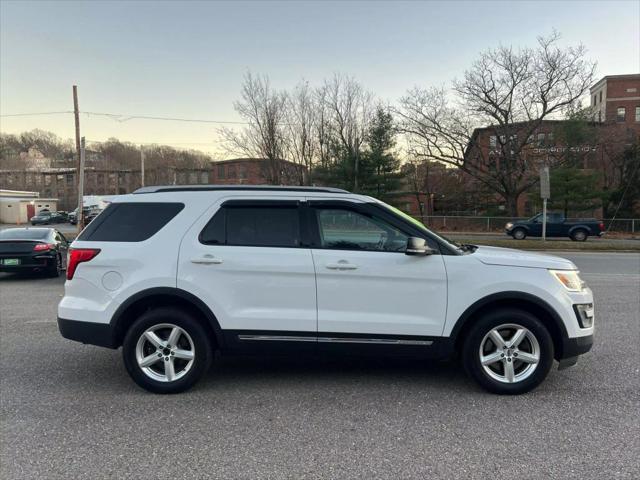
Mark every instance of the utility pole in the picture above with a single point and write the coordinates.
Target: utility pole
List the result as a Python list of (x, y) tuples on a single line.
[(76, 114), (80, 216), (142, 165)]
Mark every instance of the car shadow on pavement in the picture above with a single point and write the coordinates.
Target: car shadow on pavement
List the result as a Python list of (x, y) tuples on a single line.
[(343, 370), (25, 276)]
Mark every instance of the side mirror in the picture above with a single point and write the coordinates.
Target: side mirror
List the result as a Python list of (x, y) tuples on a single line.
[(417, 246)]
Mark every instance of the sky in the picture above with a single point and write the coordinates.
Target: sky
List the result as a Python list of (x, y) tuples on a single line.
[(187, 59)]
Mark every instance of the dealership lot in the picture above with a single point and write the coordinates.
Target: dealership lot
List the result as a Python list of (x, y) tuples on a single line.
[(71, 411)]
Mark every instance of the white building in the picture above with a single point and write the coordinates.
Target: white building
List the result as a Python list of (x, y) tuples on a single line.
[(18, 207)]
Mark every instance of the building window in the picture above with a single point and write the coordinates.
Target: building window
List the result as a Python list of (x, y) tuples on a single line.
[(638, 113), (594, 100), (541, 139), (232, 171), (600, 96), (621, 114), (493, 141), (204, 177), (550, 138), (242, 172), (220, 172)]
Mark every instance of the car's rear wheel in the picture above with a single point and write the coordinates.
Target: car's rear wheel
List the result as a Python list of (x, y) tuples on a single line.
[(579, 235), (166, 350), (519, 234), (55, 269), (508, 351)]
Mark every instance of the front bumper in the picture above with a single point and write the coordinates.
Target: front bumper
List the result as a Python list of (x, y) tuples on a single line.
[(100, 334), (572, 348)]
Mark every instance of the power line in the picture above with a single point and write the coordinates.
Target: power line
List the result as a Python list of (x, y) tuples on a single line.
[(33, 114), (120, 117)]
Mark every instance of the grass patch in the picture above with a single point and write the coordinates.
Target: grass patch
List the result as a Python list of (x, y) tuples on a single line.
[(589, 245)]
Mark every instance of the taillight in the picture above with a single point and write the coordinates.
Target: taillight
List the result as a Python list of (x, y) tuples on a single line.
[(42, 247), (77, 256), (601, 226)]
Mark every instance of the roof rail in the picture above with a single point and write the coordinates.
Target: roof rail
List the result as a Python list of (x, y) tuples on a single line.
[(201, 188)]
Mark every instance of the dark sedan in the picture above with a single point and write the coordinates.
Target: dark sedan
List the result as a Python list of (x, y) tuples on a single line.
[(33, 250), (47, 218)]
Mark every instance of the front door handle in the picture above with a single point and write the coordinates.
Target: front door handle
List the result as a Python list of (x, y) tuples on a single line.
[(342, 265), (207, 260)]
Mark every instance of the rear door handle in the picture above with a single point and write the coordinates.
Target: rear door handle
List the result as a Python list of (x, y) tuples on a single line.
[(342, 265), (207, 260)]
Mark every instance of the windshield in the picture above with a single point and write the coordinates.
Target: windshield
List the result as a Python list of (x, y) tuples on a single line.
[(420, 225), (24, 234)]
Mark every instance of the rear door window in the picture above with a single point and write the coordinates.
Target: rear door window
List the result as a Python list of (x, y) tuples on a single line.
[(130, 222), (254, 226)]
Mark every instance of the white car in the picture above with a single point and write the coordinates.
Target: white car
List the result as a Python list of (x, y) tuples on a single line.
[(173, 274)]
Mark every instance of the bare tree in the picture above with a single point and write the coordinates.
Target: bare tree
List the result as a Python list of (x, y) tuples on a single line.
[(301, 142), (264, 110), (512, 92), (349, 111)]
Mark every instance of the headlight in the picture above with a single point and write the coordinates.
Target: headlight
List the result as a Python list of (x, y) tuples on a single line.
[(569, 279), (508, 225)]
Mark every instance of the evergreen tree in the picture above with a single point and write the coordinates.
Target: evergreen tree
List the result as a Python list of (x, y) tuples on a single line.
[(574, 189), (380, 169)]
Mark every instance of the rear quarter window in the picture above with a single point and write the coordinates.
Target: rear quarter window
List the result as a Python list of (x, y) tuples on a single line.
[(130, 222)]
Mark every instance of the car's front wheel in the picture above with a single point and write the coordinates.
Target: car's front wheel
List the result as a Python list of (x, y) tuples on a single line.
[(508, 351), (166, 350), (519, 234)]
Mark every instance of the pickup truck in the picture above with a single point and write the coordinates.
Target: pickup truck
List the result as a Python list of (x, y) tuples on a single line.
[(557, 226)]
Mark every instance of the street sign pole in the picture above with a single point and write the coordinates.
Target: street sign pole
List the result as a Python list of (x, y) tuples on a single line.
[(545, 193), (544, 219)]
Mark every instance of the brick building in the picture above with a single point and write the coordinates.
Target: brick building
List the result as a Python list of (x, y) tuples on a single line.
[(62, 183), (615, 108), (257, 171), (616, 99)]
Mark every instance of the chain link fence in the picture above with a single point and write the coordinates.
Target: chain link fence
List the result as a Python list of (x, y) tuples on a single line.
[(451, 223)]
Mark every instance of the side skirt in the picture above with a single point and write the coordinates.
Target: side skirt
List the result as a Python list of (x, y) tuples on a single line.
[(326, 343)]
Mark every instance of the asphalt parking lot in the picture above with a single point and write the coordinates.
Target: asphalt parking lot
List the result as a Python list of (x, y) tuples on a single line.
[(70, 411)]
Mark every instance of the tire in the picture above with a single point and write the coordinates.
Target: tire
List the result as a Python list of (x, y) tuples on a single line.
[(191, 337), (55, 270), (535, 343), (579, 235), (519, 234)]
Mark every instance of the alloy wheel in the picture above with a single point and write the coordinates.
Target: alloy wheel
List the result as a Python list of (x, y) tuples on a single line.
[(165, 352), (580, 235), (509, 353)]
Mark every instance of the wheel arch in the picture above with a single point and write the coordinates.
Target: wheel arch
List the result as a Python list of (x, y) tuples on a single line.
[(520, 300), (142, 301)]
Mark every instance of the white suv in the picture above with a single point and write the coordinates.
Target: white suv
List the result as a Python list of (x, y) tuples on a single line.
[(173, 274)]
